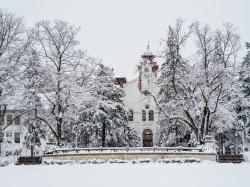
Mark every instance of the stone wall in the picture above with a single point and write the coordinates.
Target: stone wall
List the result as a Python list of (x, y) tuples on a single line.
[(130, 155)]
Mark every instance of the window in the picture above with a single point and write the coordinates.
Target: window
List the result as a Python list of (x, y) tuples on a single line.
[(151, 115), (131, 115), (2, 119), (8, 137), (143, 115), (17, 120), (8, 153), (17, 137), (9, 119), (8, 134)]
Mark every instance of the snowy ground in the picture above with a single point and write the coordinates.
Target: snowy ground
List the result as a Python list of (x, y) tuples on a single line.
[(208, 174)]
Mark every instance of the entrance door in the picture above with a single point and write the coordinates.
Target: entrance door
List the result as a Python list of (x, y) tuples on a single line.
[(147, 138)]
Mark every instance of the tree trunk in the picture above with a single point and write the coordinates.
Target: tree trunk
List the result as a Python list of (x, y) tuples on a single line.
[(207, 121), (59, 134), (203, 123), (103, 135), (32, 151), (192, 124), (58, 140)]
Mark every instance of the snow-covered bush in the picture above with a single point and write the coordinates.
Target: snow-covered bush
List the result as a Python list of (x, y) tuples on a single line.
[(83, 162), (192, 160), (141, 160), (165, 161), (193, 140), (179, 160), (96, 161), (58, 162), (117, 161), (5, 161)]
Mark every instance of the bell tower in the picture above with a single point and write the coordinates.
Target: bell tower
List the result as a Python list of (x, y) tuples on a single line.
[(148, 69)]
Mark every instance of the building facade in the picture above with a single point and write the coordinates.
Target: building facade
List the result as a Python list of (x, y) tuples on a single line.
[(139, 99), (12, 133)]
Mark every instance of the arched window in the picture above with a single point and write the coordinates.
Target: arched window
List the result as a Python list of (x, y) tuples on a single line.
[(131, 115), (151, 115), (143, 115)]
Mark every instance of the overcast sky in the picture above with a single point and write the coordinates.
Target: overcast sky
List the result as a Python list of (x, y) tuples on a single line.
[(117, 31)]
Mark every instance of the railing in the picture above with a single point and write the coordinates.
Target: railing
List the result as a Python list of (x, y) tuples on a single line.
[(125, 149)]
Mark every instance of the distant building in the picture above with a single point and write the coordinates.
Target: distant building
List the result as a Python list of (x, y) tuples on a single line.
[(12, 134), (14, 131), (142, 107)]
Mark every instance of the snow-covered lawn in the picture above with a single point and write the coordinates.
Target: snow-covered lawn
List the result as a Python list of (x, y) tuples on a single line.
[(208, 174)]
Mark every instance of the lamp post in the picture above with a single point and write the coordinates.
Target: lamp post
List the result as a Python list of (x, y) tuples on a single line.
[(243, 137), (33, 141), (1, 140), (76, 134), (75, 127)]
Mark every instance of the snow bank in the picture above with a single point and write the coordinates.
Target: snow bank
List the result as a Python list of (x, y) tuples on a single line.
[(119, 161)]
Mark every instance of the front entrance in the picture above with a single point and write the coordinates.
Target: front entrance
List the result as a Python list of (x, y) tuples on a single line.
[(147, 138)]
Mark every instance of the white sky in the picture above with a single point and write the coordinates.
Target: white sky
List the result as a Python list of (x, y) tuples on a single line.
[(118, 30)]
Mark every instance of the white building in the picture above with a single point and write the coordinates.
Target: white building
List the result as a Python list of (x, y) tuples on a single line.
[(12, 133), (143, 109)]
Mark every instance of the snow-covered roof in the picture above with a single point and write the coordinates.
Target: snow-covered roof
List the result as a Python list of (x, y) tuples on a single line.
[(148, 53)]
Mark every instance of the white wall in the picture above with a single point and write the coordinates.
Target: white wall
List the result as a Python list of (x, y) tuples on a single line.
[(136, 101), (9, 144)]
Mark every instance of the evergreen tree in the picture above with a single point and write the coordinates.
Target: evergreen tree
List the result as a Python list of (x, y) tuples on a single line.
[(193, 140), (173, 87), (103, 118), (32, 105), (243, 107)]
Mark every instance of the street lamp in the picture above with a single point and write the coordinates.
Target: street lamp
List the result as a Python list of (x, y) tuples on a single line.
[(243, 136), (76, 134), (75, 125), (1, 140)]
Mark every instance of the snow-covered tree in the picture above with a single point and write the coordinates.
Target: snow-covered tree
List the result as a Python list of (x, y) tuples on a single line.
[(14, 43), (173, 85), (34, 135), (214, 78), (58, 48), (13, 47), (243, 104), (205, 92), (31, 80), (193, 140), (104, 118)]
